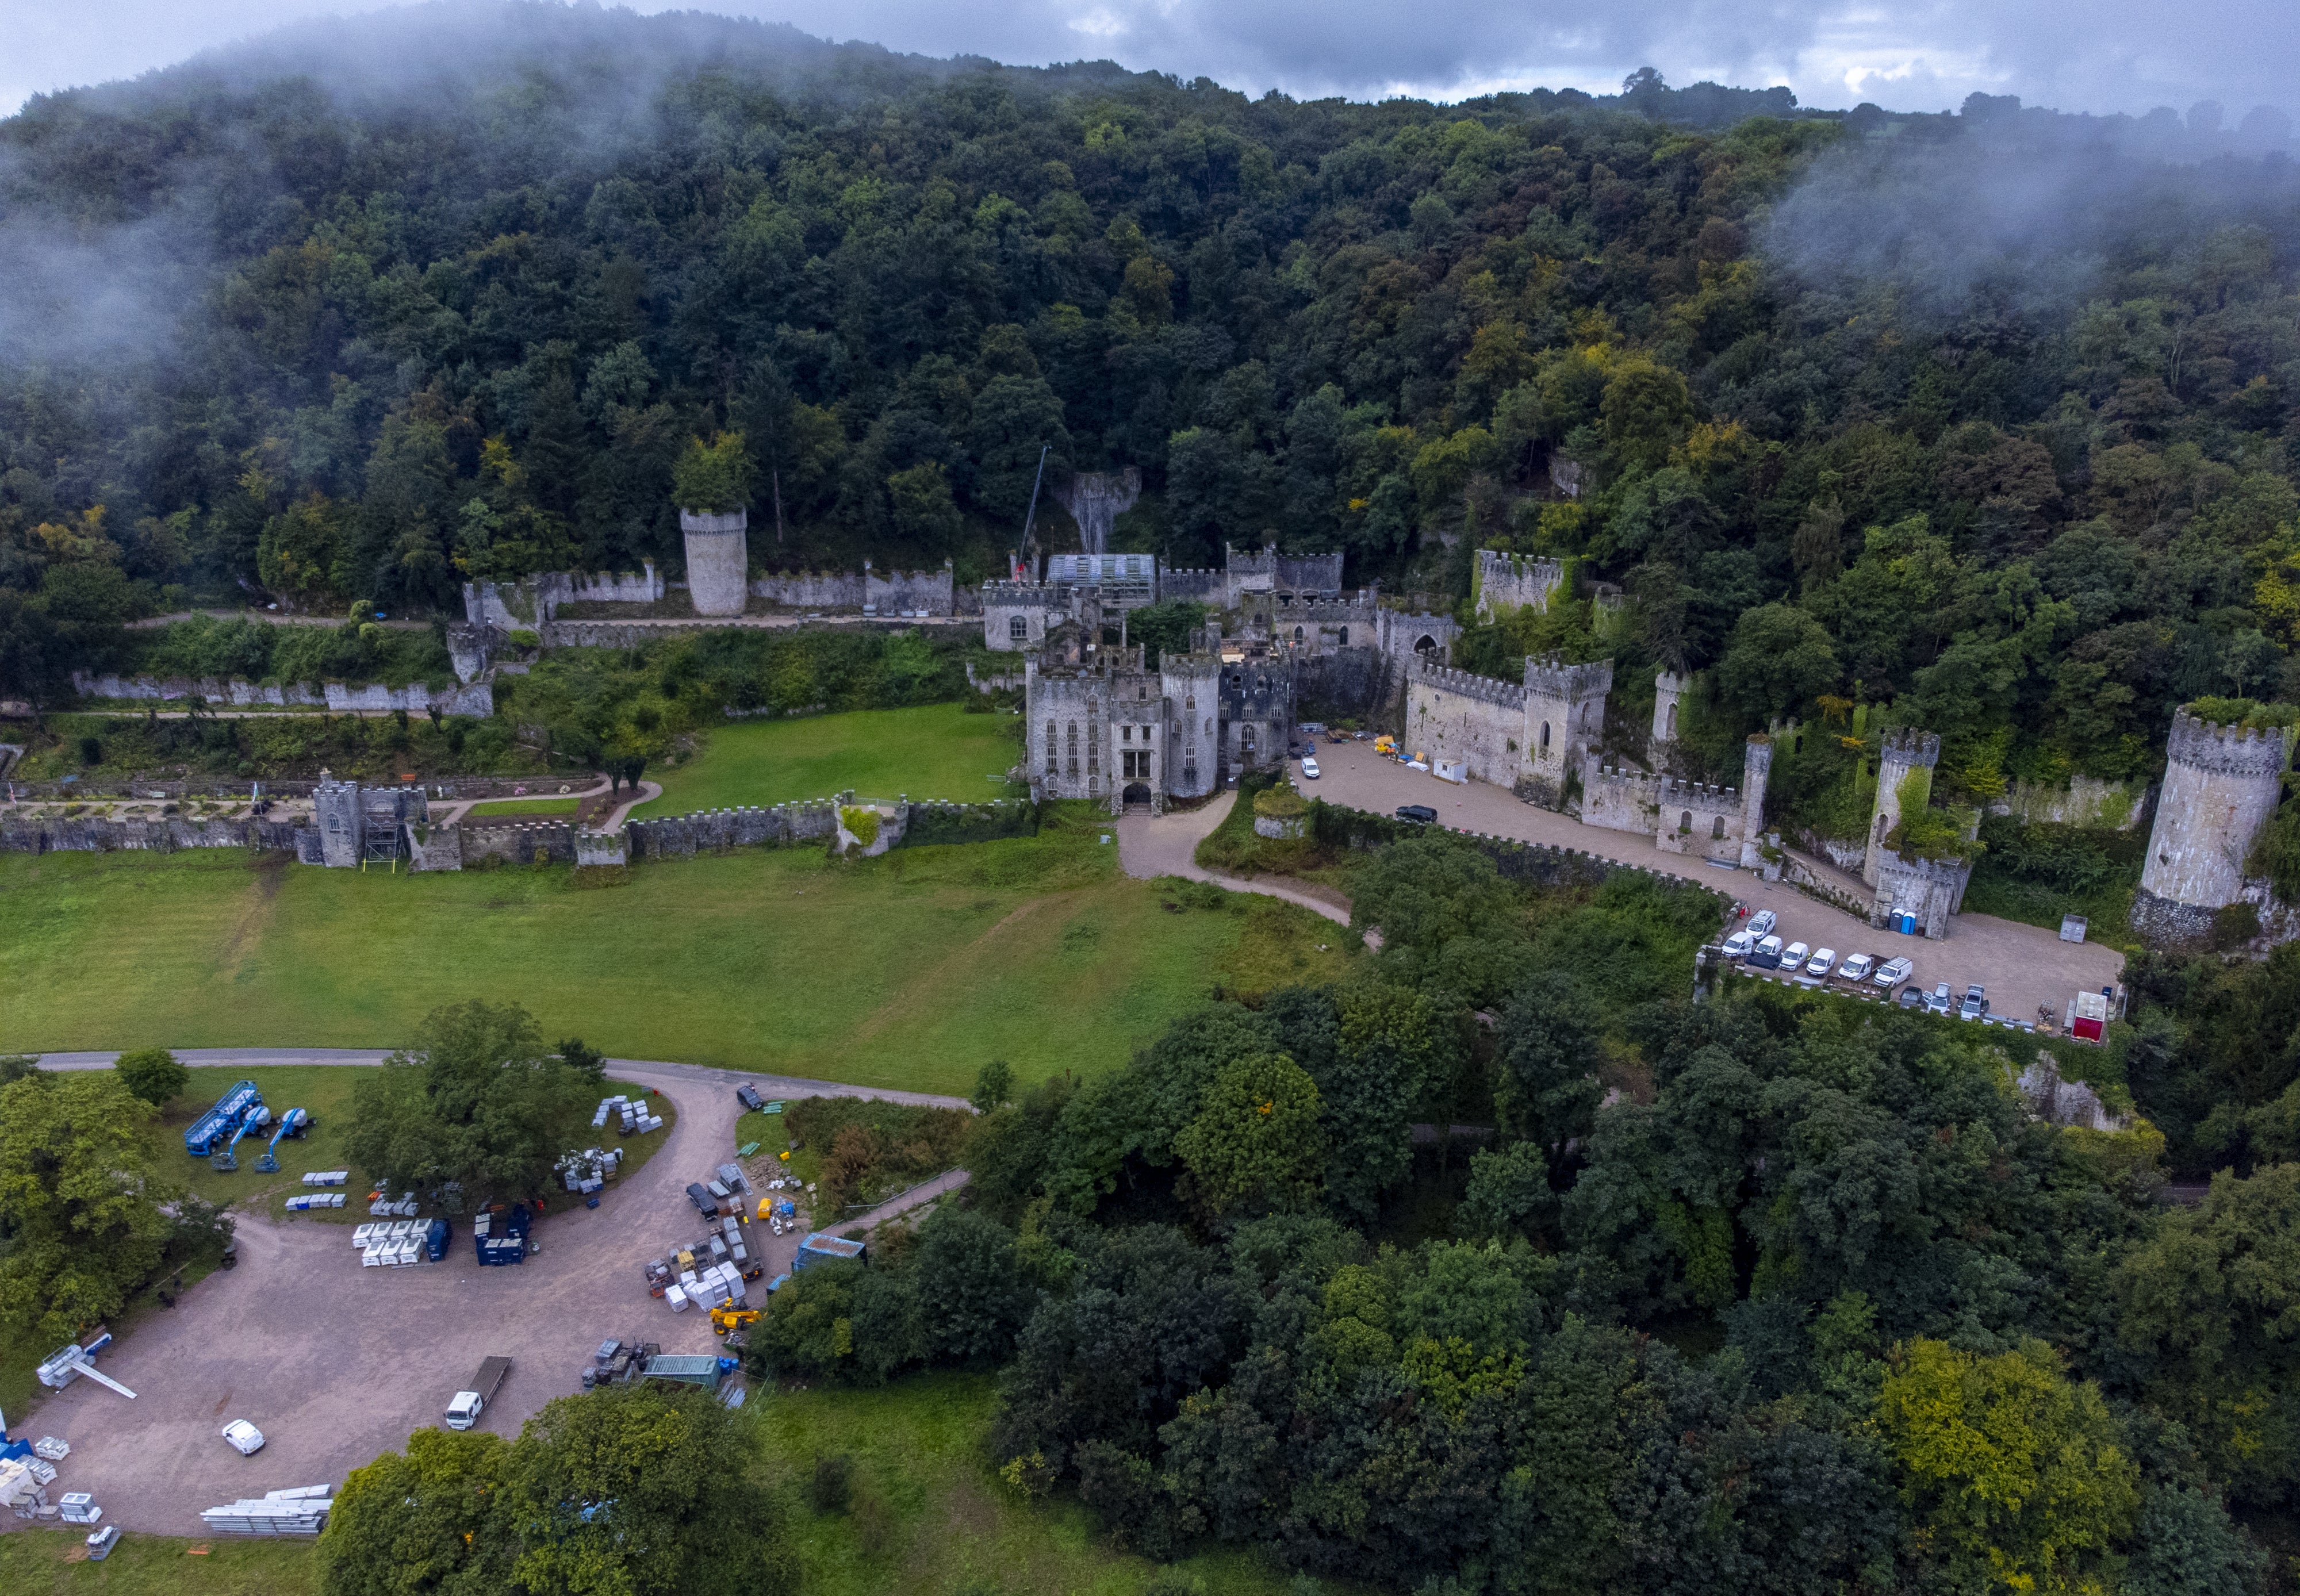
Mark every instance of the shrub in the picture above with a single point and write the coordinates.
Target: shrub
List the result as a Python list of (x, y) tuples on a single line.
[(153, 1075), (833, 1485)]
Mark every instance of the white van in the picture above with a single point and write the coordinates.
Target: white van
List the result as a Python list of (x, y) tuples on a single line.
[(1766, 954), (1794, 956), (1738, 945)]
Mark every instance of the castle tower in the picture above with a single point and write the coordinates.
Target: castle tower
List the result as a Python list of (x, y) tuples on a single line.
[(1511, 581), (1191, 685), (342, 822), (1907, 752), (1565, 723), (718, 560), (1756, 765), (1669, 687), (2221, 785)]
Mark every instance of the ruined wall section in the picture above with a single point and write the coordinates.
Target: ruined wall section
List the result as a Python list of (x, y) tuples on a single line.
[(1509, 582)]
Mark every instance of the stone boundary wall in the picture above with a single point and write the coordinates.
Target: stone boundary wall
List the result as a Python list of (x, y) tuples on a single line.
[(1543, 864), (1836, 894), (936, 592), (478, 699), (90, 835)]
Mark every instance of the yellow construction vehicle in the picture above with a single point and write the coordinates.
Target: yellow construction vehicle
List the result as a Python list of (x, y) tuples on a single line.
[(723, 1319)]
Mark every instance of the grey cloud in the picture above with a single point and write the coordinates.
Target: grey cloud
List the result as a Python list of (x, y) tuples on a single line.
[(2100, 55)]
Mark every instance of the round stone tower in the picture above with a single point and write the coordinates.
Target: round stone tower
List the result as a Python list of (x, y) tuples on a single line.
[(2221, 784), (1906, 752), (718, 560)]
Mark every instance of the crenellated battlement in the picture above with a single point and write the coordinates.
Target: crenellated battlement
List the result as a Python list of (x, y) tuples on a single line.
[(1705, 794), (1488, 689), (2257, 751), (1551, 677), (1907, 745)]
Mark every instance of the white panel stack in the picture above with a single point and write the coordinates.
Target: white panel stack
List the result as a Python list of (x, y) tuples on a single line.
[(303, 1512), (52, 1449), (327, 1177), (80, 1508)]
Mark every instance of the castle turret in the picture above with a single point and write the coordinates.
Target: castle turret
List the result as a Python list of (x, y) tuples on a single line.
[(342, 822), (2221, 785), (1756, 765), (1191, 684), (1669, 687), (718, 560), (1907, 753), (1565, 723)]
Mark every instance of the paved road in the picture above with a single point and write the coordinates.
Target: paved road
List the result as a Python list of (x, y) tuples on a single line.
[(336, 1363), (2022, 966), (1152, 845)]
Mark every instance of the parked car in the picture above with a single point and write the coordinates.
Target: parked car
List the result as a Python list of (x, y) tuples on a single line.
[(1761, 924), (748, 1096), (1940, 1000), (1909, 997), (1766, 954), (1856, 968), (1793, 957), (1309, 768), (1823, 960), (1894, 971), (245, 1437), (700, 1196), (1738, 945), (1975, 1005), (1422, 812)]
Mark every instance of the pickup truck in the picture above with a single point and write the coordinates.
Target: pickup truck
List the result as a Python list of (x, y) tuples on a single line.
[(464, 1411)]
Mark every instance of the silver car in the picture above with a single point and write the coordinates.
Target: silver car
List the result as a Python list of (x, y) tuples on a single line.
[(1940, 1001)]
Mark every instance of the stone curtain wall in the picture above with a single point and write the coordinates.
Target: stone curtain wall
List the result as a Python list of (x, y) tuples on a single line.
[(2087, 801), (1707, 805), (1454, 715), (478, 699), (1508, 582), (1615, 800), (1199, 587), (933, 592)]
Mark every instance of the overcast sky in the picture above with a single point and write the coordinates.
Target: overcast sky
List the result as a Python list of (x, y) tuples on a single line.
[(1905, 55)]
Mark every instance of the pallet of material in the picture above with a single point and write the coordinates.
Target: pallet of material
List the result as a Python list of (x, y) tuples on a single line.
[(300, 1511)]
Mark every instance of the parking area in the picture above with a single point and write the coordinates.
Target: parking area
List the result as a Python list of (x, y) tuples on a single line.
[(2024, 967), (336, 1363)]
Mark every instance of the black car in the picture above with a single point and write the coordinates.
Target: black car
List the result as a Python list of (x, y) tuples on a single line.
[(1417, 811), (748, 1096), (700, 1196)]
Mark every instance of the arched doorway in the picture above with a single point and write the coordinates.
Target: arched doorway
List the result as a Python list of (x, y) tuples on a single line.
[(1137, 791), (1424, 644)]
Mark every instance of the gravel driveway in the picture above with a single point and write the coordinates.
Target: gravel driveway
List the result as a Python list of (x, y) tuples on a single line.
[(336, 1363)]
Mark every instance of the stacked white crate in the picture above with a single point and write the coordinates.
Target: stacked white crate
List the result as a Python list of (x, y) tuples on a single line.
[(301, 1511)]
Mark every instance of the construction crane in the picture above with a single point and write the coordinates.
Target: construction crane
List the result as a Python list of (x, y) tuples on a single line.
[(294, 1122), (223, 1163)]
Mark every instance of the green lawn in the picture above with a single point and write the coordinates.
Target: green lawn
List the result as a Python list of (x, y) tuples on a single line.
[(930, 1517), (521, 806), (936, 752), (909, 970)]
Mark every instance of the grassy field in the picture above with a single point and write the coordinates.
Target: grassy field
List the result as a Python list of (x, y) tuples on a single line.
[(929, 1517), (34, 1562), (936, 752), (909, 970)]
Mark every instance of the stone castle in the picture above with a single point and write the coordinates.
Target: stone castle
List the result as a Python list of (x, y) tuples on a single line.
[(1106, 727)]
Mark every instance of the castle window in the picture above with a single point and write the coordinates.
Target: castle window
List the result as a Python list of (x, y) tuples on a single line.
[(1050, 748), (1685, 821), (1126, 734), (1717, 829), (1544, 736), (1142, 691), (1089, 703), (1345, 636), (1672, 732), (1018, 629), (1190, 702)]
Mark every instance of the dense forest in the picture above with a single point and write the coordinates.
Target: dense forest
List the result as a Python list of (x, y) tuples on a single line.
[(1982, 418), (1769, 1293)]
